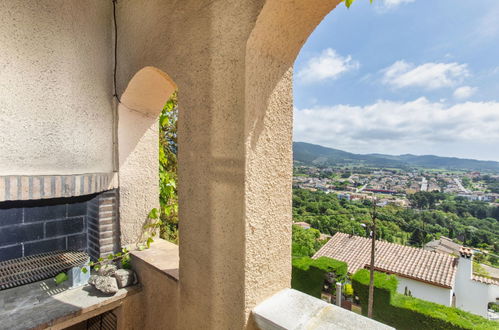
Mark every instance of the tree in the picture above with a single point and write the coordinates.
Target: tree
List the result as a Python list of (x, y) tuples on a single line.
[(305, 242)]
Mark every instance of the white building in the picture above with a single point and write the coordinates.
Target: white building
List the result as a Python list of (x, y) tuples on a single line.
[(473, 293), (435, 277)]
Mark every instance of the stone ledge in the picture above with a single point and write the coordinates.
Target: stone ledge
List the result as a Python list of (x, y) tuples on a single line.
[(42, 305), (28, 187), (291, 309), (162, 256)]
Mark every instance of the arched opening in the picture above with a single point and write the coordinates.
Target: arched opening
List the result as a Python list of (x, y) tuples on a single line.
[(138, 112), (428, 87)]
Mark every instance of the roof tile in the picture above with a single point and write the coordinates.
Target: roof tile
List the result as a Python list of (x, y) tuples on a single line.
[(418, 264)]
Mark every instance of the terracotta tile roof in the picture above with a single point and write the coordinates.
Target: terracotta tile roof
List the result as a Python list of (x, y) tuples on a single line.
[(465, 252), (484, 280), (418, 264), (443, 245)]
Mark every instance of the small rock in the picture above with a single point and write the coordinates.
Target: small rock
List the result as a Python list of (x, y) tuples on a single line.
[(125, 277), (92, 279), (107, 270), (106, 284)]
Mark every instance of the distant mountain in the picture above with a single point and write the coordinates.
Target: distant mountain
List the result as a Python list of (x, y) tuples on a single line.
[(313, 154)]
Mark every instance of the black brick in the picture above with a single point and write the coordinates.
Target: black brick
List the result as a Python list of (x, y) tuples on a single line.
[(48, 212), (20, 233), (94, 240), (93, 227), (64, 227), (10, 216), (76, 209), (77, 242), (11, 252), (45, 246)]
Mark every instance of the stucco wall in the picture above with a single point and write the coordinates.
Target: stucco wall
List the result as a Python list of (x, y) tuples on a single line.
[(425, 291), (232, 63), (472, 296), (56, 114)]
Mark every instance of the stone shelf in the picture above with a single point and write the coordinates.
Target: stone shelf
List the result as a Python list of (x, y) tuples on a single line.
[(42, 305)]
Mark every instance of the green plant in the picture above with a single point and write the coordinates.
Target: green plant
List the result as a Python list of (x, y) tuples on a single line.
[(60, 278), (348, 290), (308, 275), (168, 200), (405, 312), (348, 3)]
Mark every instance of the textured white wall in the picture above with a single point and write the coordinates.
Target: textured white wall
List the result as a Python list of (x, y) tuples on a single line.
[(472, 296), (56, 114), (425, 291)]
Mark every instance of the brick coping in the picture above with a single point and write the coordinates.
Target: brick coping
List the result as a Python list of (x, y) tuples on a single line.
[(29, 187)]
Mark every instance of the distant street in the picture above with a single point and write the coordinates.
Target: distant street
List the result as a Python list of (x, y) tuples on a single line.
[(460, 185)]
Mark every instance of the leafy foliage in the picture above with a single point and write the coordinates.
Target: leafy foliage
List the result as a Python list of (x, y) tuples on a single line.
[(405, 312), (475, 224), (305, 242), (60, 278), (308, 274), (168, 213)]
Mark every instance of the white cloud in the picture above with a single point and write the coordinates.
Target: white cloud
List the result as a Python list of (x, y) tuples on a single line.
[(395, 3), (328, 65), (464, 92), (428, 75), (422, 127)]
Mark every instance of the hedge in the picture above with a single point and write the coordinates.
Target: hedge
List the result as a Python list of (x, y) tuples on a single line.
[(308, 274), (404, 312)]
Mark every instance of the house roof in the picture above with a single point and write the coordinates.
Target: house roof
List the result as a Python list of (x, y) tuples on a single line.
[(443, 245), (302, 224), (485, 280), (414, 263)]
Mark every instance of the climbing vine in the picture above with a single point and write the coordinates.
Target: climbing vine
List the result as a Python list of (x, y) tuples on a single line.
[(166, 218), (348, 3)]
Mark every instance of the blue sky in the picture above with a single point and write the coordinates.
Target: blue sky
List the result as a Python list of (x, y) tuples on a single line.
[(402, 76)]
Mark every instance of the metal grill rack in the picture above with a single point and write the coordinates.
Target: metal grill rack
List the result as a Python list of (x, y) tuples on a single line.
[(38, 267)]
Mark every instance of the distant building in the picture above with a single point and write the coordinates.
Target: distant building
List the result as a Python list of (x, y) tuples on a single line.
[(436, 277), (443, 245), (304, 225)]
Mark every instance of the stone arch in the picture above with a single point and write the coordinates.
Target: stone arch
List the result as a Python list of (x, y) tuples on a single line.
[(138, 111)]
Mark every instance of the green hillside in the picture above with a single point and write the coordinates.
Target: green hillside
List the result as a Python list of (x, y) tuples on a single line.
[(312, 154)]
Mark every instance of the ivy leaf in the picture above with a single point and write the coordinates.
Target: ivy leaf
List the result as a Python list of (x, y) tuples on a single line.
[(61, 277), (149, 241), (153, 214)]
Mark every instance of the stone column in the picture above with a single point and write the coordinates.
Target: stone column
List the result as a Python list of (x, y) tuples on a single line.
[(338, 294)]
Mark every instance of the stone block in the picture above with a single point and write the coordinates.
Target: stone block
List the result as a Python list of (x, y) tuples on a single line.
[(106, 284), (107, 270), (125, 277)]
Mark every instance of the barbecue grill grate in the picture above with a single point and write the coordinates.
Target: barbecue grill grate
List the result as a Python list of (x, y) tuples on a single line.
[(38, 267)]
